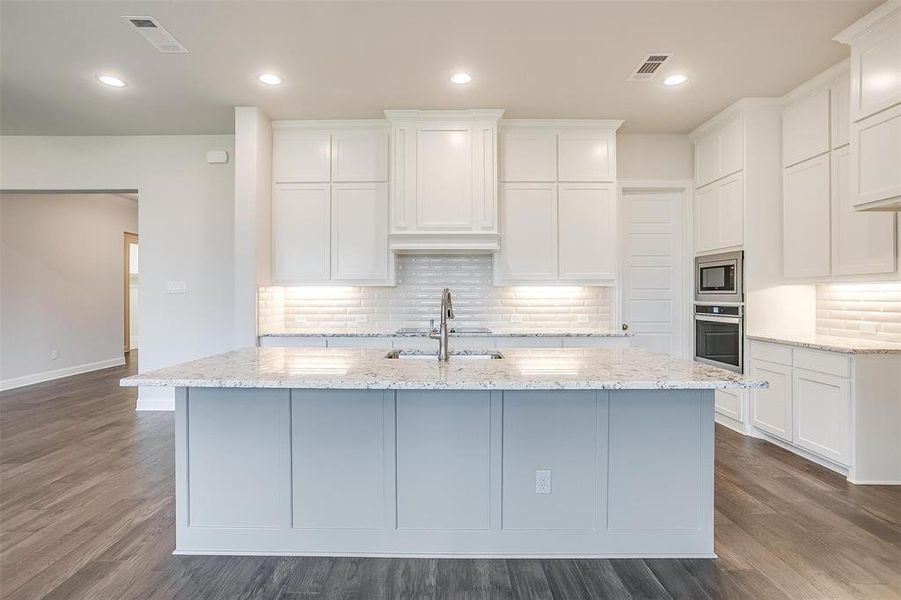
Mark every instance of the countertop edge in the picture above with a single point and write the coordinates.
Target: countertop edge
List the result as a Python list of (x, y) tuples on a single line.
[(341, 334), (503, 386), (889, 348)]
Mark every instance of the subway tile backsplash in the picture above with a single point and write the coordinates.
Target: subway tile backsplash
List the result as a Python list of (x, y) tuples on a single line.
[(416, 299), (866, 311)]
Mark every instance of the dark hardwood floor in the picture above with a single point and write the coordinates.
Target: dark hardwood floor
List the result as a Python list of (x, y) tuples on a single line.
[(86, 511)]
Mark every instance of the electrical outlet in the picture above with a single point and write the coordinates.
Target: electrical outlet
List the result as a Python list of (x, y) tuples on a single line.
[(362, 319), (543, 481), (582, 319), (54, 354), (516, 318), (299, 319)]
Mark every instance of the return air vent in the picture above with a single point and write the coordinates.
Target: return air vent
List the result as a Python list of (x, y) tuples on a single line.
[(648, 68), (156, 34)]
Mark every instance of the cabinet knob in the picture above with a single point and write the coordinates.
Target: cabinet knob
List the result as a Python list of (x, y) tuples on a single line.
[(625, 326)]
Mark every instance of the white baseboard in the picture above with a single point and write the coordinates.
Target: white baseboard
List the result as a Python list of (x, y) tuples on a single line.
[(17, 382), (155, 398)]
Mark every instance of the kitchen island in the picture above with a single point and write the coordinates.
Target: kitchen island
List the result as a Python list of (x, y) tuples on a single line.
[(532, 452)]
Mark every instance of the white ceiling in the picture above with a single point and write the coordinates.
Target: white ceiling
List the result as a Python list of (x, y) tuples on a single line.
[(354, 59)]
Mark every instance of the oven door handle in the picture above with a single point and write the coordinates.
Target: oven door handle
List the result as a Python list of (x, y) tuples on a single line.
[(732, 320)]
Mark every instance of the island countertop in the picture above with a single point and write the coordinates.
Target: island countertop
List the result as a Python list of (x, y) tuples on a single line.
[(519, 369)]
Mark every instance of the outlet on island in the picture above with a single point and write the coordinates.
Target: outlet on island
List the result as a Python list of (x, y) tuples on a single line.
[(543, 481)]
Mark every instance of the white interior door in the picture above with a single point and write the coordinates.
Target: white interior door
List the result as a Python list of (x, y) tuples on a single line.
[(653, 263)]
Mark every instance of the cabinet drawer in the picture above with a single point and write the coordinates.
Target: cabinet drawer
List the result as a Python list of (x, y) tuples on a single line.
[(822, 362), (771, 352)]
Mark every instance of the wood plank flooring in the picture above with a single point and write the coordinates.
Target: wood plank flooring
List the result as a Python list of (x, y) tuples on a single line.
[(86, 511)]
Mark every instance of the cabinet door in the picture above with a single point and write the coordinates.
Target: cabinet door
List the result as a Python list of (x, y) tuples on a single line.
[(822, 414), (444, 180), (806, 216), (805, 128), (707, 211), (300, 155), (360, 155), (730, 217), (876, 68), (863, 243), (587, 232), (360, 231), (840, 101), (707, 159), (529, 232), (529, 156), (732, 144), (301, 229), (729, 403), (876, 157), (585, 157), (771, 408)]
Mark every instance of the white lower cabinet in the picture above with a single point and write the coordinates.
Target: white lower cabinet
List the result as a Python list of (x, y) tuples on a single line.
[(821, 414), (810, 404), (728, 402), (771, 408)]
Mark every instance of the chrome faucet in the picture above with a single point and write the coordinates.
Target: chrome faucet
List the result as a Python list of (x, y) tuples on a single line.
[(440, 334)]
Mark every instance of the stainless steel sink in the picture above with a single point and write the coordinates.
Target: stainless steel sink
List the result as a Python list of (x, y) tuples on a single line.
[(425, 330), (454, 356)]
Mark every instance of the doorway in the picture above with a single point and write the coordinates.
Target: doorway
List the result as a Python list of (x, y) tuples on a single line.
[(130, 284), (654, 302)]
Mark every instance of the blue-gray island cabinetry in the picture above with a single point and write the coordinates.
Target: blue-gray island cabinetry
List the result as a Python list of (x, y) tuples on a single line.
[(549, 452)]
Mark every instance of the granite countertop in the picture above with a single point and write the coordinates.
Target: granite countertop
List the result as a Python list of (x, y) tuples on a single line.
[(520, 369), (831, 343), (492, 333)]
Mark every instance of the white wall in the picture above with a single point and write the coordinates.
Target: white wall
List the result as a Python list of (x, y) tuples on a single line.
[(253, 217), (654, 156), (186, 218), (61, 284)]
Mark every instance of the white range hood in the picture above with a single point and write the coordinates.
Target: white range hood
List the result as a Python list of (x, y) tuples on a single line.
[(444, 181)]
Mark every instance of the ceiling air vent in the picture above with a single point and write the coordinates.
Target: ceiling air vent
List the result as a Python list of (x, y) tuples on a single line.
[(648, 68), (156, 34)]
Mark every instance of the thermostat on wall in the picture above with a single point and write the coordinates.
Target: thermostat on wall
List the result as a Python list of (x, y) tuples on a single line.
[(217, 157)]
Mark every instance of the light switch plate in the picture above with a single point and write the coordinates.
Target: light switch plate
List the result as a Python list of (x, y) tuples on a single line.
[(176, 287)]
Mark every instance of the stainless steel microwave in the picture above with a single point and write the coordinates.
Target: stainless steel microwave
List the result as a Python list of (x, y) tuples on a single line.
[(718, 277)]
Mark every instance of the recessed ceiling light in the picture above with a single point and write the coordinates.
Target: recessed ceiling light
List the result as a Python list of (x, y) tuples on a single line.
[(110, 80), (461, 78), (675, 80), (270, 79)]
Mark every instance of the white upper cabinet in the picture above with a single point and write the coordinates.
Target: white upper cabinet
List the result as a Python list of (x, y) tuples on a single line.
[(719, 214), (360, 155), (805, 127), (720, 151), (528, 232), (840, 99), (586, 156), (444, 180), (335, 229), (528, 156), (875, 42), (806, 219), (359, 232), (587, 225), (301, 155), (863, 243), (876, 160), (558, 202), (301, 216)]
